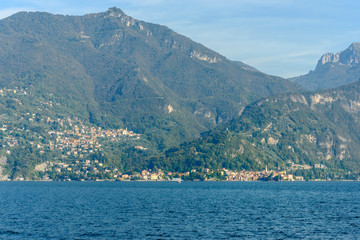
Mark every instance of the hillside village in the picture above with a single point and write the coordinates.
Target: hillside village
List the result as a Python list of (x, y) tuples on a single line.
[(72, 139), (62, 139), (71, 143)]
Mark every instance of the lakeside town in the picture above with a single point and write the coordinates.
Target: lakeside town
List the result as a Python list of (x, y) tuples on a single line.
[(69, 137), (98, 172), (72, 142)]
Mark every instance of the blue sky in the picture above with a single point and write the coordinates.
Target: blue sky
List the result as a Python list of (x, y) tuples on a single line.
[(280, 37)]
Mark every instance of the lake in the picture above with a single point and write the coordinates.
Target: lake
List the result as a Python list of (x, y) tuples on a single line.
[(190, 210)]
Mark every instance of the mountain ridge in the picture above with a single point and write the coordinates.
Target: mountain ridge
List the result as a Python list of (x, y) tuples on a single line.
[(295, 132), (350, 56), (116, 32), (112, 71), (333, 70)]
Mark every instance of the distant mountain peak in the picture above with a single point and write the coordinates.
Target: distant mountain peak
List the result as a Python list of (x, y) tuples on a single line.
[(333, 70), (115, 12), (355, 45), (350, 56), (111, 12)]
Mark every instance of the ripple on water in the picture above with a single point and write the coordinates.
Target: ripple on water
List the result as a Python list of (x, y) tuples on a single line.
[(164, 210)]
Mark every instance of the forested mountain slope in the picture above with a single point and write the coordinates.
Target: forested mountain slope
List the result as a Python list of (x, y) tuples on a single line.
[(290, 132), (113, 70)]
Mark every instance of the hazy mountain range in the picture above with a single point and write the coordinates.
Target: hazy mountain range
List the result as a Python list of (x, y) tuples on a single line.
[(333, 70)]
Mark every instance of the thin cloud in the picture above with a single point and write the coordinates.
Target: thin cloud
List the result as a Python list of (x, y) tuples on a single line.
[(304, 54)]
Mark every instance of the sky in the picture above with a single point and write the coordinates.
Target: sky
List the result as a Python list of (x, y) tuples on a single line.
[(279, 37)]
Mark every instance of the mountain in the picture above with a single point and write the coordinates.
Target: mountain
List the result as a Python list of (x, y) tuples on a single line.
[(110, 89), (333, 70), (115, 71), (308, 133)]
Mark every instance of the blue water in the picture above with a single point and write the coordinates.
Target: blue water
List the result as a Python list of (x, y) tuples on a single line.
[(190, 210)]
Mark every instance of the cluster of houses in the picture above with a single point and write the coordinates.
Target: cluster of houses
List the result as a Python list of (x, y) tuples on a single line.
[(259, 175), (96, 171), (294, 166), (71, 139), (79, 139), (208, 175)]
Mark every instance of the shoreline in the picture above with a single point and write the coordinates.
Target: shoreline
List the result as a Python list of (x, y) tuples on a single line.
[(114, 180)]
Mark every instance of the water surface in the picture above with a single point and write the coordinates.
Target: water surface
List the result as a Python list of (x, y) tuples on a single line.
[(190, 210)]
